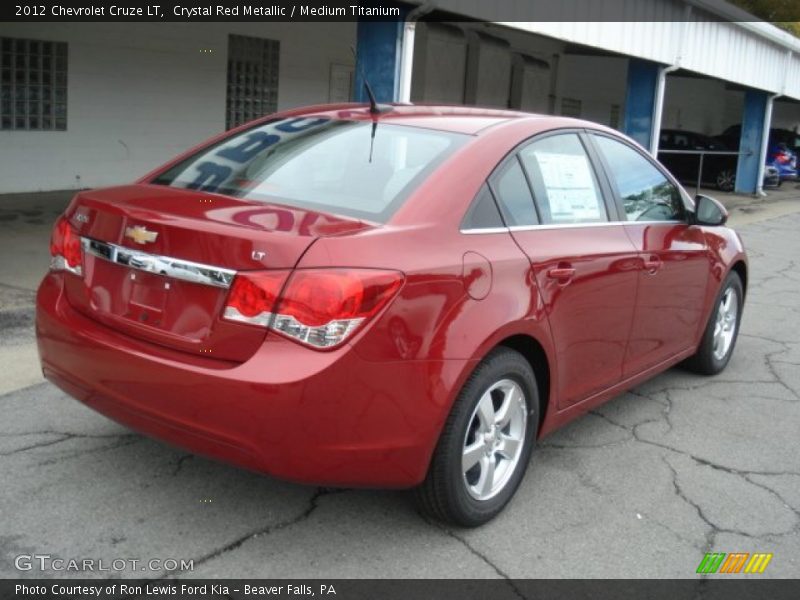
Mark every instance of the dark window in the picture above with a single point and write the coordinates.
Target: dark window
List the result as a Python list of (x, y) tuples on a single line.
[(33, 84), (645, 191), (319, 164), (563, 180), (514, 195), (704, 142), (252, 79), (483, 213), (681, 141)]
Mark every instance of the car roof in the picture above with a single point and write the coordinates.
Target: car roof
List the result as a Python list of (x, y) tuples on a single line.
[(686, 132), (457, 119)]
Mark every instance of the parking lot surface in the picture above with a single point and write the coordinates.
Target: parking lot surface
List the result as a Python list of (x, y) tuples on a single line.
[(641, 487)]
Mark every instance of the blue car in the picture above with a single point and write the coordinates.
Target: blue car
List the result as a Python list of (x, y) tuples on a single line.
[(782, 150), (782, 158)]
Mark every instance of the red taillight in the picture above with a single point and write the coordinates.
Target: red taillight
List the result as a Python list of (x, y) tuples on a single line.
[(319, 307), (65, 248), (782, 157), (253, 296)]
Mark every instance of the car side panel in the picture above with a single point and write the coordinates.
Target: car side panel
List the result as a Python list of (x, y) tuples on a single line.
[(452, 300), (453, 307), (671, 297), (725, 249), (590, 314)]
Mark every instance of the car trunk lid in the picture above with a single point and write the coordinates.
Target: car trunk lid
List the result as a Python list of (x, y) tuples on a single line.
[(158, 261)]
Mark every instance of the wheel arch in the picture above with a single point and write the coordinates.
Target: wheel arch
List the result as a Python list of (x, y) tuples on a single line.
[(533, 352), (740, 268)]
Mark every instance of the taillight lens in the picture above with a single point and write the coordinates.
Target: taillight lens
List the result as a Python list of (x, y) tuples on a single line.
[(318, 307), (782, 157), (253, 297), (65, 248)]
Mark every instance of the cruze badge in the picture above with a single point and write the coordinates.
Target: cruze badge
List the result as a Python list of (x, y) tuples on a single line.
[(140, 234)]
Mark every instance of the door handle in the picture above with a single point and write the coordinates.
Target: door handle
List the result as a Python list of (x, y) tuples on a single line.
[(652, 264), (561, 273)]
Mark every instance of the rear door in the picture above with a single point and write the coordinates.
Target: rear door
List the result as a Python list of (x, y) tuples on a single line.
[(673, 263), (584, 264)]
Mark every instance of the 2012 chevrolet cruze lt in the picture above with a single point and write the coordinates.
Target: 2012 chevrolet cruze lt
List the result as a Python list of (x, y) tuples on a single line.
[(393, 298)]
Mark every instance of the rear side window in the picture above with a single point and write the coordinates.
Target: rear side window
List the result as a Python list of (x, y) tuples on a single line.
[(645, 191), (514, 195), (563, 181), (483, 213), (343, 167)]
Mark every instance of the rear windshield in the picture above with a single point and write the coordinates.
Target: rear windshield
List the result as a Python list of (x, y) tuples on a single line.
[(350, 168)]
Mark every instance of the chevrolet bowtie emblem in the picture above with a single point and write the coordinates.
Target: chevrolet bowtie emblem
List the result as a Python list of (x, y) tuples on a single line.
[(140, 234)]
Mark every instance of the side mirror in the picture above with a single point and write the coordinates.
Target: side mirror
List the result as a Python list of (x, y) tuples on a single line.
[(709, 211)]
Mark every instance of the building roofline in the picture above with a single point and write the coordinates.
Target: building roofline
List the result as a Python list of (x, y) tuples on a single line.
[(747, 21)]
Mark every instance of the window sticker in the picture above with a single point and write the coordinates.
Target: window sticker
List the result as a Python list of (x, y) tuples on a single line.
[(570, 187)]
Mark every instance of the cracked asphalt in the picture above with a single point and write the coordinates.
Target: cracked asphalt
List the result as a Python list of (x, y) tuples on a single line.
[(642, 487)]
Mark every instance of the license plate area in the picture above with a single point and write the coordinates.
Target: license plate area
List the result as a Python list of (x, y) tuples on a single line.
[(152, 305), (148, 298), (166, 300)]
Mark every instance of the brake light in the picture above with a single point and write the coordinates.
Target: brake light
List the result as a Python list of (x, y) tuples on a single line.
[(65, 248), (253, 297), (318, 307), (782, 157)]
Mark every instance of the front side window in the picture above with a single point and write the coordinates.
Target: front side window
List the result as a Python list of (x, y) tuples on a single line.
[(342, 167), (563, 180), (646, 192)]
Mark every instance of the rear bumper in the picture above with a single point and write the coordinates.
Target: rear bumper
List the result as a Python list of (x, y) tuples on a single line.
[(786, 173), (315, 417)]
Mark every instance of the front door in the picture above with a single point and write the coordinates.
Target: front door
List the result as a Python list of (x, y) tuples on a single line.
[(673, 262)]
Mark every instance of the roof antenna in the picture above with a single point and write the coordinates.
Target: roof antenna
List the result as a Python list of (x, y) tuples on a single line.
[(373, 103), (374, 109), (372, 138)]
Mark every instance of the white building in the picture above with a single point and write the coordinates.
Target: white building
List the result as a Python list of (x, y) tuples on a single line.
[(86, 105)]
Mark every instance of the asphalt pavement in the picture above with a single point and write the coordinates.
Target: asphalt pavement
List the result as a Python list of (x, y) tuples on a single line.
[(642, 487)]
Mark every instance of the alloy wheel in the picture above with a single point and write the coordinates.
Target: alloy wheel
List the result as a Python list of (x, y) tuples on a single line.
[(725, 325), (494, 439), (726, 180)]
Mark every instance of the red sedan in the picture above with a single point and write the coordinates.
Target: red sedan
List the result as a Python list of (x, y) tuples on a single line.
[(395, 298)]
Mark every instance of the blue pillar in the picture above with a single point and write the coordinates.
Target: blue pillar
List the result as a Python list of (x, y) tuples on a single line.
[(754, 128), (378, 51), (640, 100)]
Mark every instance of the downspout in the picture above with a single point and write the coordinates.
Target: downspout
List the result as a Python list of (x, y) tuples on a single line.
[(658, 106), (407, 51), (762, 154)]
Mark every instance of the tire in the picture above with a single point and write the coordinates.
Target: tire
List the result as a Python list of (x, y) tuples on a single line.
[(466, 498), (709, 358), (726, 180)]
